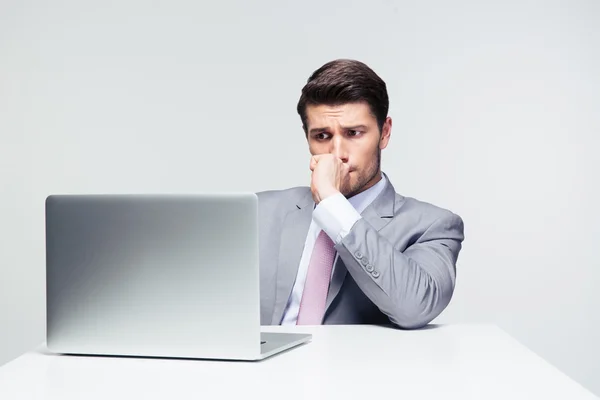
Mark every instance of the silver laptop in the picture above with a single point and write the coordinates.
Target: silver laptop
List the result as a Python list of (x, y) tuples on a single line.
[(158, 276)]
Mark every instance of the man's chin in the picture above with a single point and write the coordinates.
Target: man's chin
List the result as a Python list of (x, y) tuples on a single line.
[(350, 192)]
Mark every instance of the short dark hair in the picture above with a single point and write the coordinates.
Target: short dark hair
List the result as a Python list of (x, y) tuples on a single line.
[(345, 81)]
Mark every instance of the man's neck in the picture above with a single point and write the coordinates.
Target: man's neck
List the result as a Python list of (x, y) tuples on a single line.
[(378, 176)]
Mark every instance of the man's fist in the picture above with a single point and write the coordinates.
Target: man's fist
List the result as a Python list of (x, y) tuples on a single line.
[(329, 176)]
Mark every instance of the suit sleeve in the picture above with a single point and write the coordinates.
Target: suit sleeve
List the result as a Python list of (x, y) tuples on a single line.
[(413, 286)]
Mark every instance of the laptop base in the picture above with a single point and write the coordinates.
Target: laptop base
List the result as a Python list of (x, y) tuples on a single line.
[(279, 342)]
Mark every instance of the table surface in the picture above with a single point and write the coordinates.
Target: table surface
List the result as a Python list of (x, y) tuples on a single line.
[(346, 362)]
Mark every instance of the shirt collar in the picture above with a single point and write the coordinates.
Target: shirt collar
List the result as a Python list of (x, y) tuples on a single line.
[(364, 199)]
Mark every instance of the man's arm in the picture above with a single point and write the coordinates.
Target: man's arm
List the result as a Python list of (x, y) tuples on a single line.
[(411, 287)]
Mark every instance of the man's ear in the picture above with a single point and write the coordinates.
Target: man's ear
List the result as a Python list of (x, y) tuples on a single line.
[(386, 132)]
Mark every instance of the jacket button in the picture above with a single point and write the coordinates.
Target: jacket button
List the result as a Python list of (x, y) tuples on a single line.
[(358, 255), (375, 274), (364, 262), (369, 268)]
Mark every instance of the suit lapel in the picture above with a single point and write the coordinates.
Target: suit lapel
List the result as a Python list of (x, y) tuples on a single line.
[(339, 273), (378, 214), (293, 237)]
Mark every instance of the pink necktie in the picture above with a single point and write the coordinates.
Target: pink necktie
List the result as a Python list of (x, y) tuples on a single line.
[(314, 295)]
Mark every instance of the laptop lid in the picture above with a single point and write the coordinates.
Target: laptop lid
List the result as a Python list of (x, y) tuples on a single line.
[(153, 275)]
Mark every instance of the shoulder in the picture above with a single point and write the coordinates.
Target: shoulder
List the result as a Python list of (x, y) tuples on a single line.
[(290, 193), (282, 196), (425, 214)]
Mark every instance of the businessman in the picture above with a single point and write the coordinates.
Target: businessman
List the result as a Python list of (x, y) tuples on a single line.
[(348, 249)]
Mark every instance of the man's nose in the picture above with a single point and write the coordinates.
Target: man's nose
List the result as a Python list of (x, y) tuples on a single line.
[(339, 149)]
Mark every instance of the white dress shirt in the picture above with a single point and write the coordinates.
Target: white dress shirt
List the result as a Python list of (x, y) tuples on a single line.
[(335, 215)]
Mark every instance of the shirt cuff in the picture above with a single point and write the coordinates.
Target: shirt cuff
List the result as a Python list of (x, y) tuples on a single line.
[(336, 216)]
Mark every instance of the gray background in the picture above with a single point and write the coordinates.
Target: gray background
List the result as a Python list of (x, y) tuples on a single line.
[(495, 108)]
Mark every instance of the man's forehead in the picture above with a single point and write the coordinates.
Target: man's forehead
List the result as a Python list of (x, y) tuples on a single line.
[(338, 108), (350, 113)]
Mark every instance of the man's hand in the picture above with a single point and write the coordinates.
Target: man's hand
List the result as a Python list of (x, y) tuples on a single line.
[(329, 175)]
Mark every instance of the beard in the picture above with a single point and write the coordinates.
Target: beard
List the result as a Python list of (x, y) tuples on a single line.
[(362, 177)]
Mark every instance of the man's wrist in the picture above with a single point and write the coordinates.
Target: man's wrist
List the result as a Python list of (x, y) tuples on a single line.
[(328, 192), (336, 216)]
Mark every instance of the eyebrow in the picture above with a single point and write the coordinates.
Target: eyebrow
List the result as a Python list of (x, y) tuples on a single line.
[(348, 128)]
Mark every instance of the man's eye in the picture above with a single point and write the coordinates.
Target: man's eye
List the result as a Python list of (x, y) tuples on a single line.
[(353, 133), (321, 136)]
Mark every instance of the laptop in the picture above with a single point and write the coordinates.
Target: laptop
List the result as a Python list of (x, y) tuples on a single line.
[(172, 276)]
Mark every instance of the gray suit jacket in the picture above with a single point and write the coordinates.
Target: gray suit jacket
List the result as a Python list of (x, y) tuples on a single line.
[(397, 264)]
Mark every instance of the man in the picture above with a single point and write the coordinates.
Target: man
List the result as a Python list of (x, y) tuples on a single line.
[(349, 249)]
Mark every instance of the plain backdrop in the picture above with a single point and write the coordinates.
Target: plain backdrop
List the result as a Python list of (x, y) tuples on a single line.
[(496, 116)]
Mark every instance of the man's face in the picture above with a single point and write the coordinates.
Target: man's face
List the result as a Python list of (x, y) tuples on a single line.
[(350, 132)]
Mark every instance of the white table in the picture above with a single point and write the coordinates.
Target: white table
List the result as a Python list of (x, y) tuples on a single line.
[(341, 362)]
